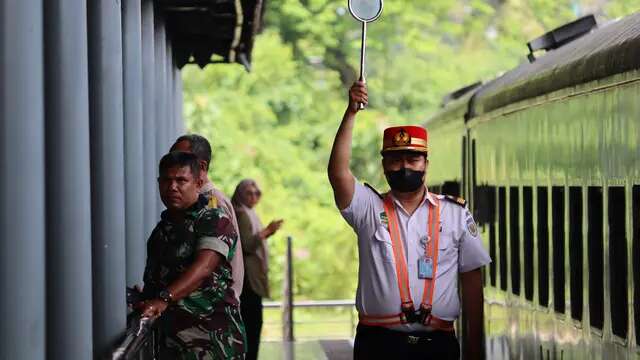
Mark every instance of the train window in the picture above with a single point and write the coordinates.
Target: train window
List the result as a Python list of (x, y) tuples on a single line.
[(514, 238), (618, 261), (527, 227), (492, 253), (473, 167), (491, 200), (465, 180), (450, 188), (484, 200), (636, 258), (575, 250), (557, 229), (542, 205), (595, 253), (502, 236)]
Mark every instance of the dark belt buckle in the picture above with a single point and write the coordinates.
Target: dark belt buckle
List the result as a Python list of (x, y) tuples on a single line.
[(425, 314), (412, 317), (409, 313), (412, 339)]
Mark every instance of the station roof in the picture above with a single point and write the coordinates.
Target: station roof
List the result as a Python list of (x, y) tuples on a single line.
[(609, 50), (212, 31)]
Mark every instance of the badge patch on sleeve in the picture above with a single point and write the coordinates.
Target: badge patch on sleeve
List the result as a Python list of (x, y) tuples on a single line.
[(472, 227)]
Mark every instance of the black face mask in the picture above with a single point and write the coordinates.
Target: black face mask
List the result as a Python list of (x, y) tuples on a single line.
[(405, 180)]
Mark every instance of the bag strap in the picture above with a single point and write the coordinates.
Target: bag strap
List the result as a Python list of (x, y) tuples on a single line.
[(398, 253)]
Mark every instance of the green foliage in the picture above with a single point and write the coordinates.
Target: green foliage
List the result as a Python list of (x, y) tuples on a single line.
[(276, 124)]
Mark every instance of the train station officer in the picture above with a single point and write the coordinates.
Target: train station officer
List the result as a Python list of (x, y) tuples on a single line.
[(413, 246)]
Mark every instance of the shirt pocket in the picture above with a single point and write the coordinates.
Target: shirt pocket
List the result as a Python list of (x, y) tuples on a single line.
[(381, 247), (447, 250)]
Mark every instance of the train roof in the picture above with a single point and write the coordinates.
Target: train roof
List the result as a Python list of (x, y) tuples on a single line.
[(609, 50), (452, 111)]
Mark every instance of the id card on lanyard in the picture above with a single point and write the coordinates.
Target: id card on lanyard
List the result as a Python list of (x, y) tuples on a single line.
[(425, 268)]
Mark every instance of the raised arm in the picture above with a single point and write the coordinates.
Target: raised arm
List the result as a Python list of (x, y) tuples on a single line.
[(340, 177)]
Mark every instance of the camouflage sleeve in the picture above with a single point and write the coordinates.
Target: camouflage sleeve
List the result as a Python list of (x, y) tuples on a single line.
[(215, 231), (153, 252)]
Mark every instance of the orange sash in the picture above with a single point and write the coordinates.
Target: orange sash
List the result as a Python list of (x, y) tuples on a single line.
[(431, 251)]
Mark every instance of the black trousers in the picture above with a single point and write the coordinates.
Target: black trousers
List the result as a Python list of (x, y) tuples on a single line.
[(374, 342), (251, 310)]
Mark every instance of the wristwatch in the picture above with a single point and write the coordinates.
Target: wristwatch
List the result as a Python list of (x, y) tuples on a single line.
[(165, 296)]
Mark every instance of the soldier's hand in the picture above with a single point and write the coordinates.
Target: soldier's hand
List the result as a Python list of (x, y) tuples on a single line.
[(153, 308), (134, 296), (140, 305), (357, 95)]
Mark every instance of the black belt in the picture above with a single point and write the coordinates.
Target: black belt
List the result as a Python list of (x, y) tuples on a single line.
[(412, 337)]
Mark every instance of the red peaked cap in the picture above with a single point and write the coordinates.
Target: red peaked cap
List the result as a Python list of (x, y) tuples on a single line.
[(405, 138)]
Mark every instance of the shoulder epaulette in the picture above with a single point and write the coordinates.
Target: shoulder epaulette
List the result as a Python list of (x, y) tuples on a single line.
[(213, 202), (457, 200), (374, 190)]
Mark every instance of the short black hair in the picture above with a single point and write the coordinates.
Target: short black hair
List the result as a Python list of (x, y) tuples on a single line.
[(179, 159), (199, 146)]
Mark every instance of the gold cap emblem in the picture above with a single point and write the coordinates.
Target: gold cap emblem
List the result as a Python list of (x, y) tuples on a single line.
[(401, 138)]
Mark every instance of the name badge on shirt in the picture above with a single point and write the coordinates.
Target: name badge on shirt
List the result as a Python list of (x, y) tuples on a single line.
[(425, 268)]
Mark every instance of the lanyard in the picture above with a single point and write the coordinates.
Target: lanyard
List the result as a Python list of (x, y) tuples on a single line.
[(431, 251)]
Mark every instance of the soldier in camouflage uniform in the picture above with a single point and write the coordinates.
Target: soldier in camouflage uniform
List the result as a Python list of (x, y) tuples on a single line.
[(199, 146), (188, 274)]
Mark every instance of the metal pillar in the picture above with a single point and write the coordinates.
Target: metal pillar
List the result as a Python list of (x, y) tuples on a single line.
[(22, 212), (149, 118), (133, 140), (160, 101), (287, 311), (69, 307), (168, 93), (107, 173), (177, 96)]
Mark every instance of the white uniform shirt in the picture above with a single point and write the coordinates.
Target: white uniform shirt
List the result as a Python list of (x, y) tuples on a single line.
[(460, 250)]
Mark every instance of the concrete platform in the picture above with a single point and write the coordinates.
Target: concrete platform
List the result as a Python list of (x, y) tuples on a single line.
[(307, 350)]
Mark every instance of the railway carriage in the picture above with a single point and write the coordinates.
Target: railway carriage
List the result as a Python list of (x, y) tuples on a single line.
[(548, 156)]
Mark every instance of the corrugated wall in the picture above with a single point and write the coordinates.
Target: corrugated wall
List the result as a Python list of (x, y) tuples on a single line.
[(90, 98)]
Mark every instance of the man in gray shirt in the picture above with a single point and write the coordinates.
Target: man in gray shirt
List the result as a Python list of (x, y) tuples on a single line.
[(413, 246)]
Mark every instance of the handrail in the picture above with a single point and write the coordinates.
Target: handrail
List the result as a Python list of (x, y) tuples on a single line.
[(138, 332), (288, 326), (311, 303)]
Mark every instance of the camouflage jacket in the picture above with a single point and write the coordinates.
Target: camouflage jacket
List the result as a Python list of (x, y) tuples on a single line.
[(207, 323)]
